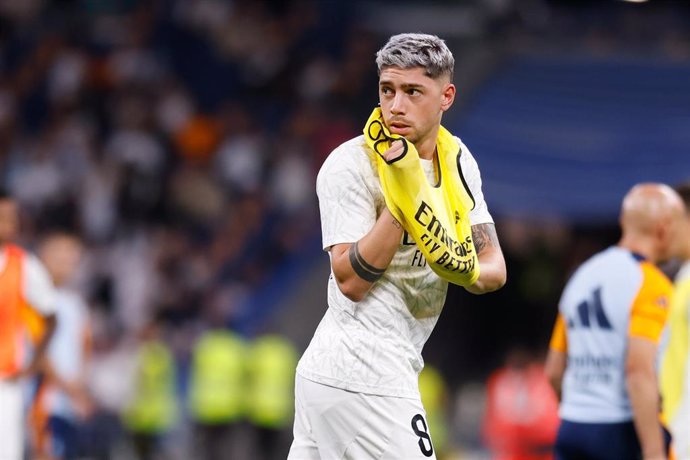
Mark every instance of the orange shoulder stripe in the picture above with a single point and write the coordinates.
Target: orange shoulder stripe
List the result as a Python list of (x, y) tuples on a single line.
[(650, 307), (559, 337)]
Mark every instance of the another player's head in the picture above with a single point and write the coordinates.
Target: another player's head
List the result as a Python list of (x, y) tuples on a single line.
[(684, 191), (652, 219), (9, 217), (415, 85), (61, 254)]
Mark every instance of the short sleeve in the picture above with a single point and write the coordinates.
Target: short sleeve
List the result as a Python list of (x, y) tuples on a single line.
[(472, 177), (39, 291), (559, 338), (346, 204), (651, 305)]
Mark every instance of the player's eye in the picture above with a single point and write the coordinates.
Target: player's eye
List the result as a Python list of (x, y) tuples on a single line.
[(414, 92), (386, 90)]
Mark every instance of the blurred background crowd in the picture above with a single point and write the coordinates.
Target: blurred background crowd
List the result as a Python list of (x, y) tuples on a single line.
[(179, 140)]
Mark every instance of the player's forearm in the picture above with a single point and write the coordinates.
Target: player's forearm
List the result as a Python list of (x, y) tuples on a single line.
[(492, 271), (644, 398), (555, 369), (42, 345), (358, 266), (492, 266)]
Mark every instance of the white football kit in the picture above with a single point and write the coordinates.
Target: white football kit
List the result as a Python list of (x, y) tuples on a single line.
[(67, 350), (37, 290), (372, 348)]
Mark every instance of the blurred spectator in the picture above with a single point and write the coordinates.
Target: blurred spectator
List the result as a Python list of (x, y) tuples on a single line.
[(63, 404), (111, 381), (521, 419), (217, 391), (152, 411), (271, 363), (434, 392), (239, 162), (197, 138)]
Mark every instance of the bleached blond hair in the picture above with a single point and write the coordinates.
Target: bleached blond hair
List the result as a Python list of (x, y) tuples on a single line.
[(417, 50)]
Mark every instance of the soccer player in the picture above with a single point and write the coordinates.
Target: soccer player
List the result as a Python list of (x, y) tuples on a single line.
[(675, 363), (63, 403), (356, 391), (602, 357), (25, 292)]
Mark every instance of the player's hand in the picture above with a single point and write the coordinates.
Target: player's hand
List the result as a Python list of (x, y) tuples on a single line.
[(395, 151), (22, 373), (83, 405)]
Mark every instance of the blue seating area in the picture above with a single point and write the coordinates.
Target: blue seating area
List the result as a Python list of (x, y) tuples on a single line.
[(566, 137)]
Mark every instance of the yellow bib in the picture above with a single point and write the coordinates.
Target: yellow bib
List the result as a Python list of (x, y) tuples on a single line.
[(437, 218), (676, 355)]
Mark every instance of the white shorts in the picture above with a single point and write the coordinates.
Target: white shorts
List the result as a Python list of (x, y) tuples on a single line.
[(331, 423), (11, 420)]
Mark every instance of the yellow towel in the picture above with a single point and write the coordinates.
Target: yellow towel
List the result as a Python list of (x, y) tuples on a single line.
[(436, 217)]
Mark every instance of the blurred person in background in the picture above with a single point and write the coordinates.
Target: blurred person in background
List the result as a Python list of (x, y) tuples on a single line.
[(152, 410), (63, 403), (271, 361), (357, 390), (27, 307), (602, 357), (521, 417), (217, 390), (675, 363), (433, 390), (111, 374)]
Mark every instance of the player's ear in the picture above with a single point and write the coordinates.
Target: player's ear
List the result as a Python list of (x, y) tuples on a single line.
[(664, 233), (447, 96)]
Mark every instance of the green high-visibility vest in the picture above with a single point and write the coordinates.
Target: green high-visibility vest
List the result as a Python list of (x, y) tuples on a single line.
[(432, 389), (272, 362), (153, 408), (217, 390)]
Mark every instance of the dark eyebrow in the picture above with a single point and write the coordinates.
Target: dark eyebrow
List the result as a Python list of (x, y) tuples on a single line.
[(404, 86)]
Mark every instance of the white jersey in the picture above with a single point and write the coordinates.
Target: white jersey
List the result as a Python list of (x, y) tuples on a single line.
[(374, 346), (37, 287), (613, 296), (67, 348)]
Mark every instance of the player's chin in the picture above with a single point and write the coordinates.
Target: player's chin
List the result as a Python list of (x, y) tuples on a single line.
[(410, 137)]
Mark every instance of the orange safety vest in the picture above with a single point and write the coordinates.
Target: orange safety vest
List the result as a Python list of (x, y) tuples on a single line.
[(521, 420), (16, 316), (10, 311)]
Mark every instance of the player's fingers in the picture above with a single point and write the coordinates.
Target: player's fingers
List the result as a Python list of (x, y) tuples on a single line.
[(395, 150)]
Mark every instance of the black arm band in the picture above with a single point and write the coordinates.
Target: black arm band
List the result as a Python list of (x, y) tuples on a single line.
[(362, 268)]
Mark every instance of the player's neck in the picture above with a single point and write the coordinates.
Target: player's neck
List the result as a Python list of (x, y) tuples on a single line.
[(427, 147), (640, 246)]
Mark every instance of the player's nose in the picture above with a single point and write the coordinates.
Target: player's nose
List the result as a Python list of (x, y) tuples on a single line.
[(398, 105)]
